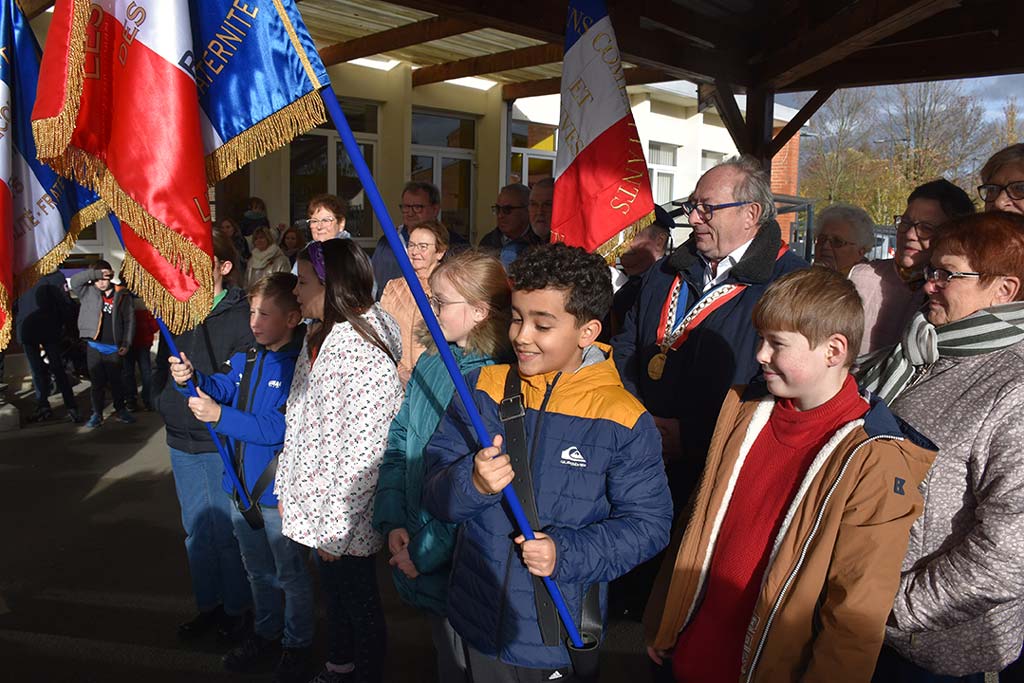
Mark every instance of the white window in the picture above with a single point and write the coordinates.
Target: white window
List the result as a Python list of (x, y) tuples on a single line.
[(663, 162), (709, 159), (533, 152), (443, 154)]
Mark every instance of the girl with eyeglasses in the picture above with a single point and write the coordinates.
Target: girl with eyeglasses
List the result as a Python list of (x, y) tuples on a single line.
[(472, 301)]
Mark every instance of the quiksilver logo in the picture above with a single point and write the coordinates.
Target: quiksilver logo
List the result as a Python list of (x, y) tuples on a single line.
[(572, 457), (274, 384)]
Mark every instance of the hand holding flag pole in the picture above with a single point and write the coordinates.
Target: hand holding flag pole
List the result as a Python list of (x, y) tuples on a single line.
[(397, 246)]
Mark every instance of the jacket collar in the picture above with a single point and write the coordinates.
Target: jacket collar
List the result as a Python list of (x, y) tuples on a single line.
[(756, 266), (594, 372)]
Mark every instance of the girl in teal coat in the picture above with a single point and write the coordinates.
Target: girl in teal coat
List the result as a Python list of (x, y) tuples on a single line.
[(471, 299)]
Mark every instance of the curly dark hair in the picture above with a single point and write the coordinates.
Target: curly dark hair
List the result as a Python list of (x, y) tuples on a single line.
[(585, 277)]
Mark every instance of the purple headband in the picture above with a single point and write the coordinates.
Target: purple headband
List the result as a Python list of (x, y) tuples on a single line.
[(316, 258)]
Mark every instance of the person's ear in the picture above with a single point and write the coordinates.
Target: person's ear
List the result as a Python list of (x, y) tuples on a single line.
[(589, 332), (225, 267), (836, 350), (294, 318), (1007, 290), (754, 211), (341, 224), (479, 314)]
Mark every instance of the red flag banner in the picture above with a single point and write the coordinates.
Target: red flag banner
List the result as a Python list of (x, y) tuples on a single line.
[(117, 111), (602, 188)]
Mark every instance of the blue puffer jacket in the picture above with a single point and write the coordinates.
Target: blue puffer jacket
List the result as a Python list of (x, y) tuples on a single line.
[(400, 488), (254, 425), (600, 490)]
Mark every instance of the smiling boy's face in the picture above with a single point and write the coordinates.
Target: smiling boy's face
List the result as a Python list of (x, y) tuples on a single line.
[(546, 337)]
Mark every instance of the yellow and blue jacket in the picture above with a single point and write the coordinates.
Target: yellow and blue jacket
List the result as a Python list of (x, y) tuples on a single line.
[(600, 490)]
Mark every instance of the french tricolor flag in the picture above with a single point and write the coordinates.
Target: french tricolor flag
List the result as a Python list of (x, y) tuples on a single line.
[(41, 213), (602, 188)]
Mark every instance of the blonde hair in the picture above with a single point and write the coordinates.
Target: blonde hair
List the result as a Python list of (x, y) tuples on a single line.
[(480, 279), (815, 302)]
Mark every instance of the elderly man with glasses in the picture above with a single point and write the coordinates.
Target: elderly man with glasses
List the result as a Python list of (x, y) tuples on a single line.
[(690, 337), (513, 234), (891, 289)]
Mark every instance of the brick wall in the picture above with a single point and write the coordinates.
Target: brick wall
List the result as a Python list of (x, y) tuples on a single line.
[(785, 170)]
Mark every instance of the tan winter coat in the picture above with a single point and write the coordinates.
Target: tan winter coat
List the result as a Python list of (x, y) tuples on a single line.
[(835, 562)]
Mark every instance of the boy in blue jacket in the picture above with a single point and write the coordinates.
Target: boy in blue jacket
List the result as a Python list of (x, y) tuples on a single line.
[(595, 474), (246, 403)]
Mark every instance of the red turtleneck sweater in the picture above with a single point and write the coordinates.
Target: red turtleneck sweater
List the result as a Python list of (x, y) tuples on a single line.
[(710, 648)]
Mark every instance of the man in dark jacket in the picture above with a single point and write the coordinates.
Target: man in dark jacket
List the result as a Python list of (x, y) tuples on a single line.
[(106, 321), (704, 294), (39, 324), (218, 579), (513, 234)]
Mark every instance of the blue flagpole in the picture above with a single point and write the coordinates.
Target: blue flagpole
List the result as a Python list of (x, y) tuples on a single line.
[(228, 465), (398, 247)]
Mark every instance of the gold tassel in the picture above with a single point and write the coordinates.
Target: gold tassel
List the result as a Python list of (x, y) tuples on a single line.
[(5, 329), (617, 245), (59, 253), (179, 316), (273, 132), (53, 135)]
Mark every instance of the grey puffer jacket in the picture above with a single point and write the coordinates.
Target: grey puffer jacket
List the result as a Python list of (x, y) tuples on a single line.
[(960, 606)]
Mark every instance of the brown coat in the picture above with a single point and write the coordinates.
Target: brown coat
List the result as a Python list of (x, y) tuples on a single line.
[(835, 563)]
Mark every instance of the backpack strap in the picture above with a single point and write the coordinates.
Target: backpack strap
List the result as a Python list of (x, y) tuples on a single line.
[(252, 514), (513, 419)]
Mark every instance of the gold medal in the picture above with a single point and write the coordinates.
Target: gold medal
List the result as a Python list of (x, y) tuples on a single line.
[(656, 368)]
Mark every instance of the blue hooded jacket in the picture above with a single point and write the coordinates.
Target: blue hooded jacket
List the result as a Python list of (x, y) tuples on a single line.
[(258, 431)]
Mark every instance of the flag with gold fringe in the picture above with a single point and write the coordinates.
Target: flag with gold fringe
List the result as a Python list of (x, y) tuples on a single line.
[(41, 214), (602, 188), (148, 101)]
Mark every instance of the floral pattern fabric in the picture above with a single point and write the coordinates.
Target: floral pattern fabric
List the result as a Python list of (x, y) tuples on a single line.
[(337, 420)]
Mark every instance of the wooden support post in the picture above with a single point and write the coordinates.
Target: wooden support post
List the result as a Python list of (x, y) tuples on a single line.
[(760, 124)]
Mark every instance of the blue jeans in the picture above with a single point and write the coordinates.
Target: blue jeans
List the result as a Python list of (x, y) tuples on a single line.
[(277, 572), (218, 577)]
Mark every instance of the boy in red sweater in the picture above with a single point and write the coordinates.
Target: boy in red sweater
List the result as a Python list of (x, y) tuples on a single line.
[(791, 557)]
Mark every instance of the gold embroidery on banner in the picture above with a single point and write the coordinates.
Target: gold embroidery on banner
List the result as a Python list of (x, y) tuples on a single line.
[(294, 37), (49, 261), (619, 243), (53, 135), (5, 306)]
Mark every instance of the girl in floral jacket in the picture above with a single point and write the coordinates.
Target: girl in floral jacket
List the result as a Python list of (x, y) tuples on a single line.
[(344, 394)]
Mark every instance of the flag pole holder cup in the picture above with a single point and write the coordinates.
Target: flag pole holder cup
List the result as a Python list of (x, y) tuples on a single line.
[(585, 658)]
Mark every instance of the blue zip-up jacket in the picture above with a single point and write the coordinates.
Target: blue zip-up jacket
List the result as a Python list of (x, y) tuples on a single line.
[(399, 500), (600, 490), (256, 433)]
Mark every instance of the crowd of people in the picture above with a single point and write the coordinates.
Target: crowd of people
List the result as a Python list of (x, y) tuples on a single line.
[(792, 472)]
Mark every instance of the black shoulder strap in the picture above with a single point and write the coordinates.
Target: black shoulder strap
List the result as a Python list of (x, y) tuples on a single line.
[(252, 514), (513, 414)]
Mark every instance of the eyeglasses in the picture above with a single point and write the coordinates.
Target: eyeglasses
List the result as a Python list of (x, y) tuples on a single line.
[(505, 209), (706, 211), (990, 192), (437, 304), (904, 224), (941, 276), (832, 241), (314, 222), (546, 206), (416, 247), (412, 208)]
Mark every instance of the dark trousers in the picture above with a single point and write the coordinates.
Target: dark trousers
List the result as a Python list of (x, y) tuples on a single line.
[(356, 631), (42, 371), (105, 370), (138, 357), (484, 669), (892, 667)]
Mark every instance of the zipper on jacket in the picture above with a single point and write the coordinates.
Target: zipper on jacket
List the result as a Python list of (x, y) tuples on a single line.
[(511, 547), (804, 549)]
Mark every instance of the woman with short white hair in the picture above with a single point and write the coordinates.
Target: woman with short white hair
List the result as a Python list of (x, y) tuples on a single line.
[(844, 236)]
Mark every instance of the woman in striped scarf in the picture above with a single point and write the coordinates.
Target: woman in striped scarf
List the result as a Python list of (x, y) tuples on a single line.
[(958, 377)]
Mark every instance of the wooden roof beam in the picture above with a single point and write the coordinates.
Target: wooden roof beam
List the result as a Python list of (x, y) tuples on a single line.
[(845, 33), (396, 38), (797, 122), (33, 8), (535, 55), (725, 105), (947, 58), (545, 20), (552, 86)]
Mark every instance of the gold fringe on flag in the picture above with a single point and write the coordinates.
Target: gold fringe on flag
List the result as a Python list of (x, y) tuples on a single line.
[(617, 245), (273, 132), (53, 135), (5, 306), (178, 315), (59, 253)]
